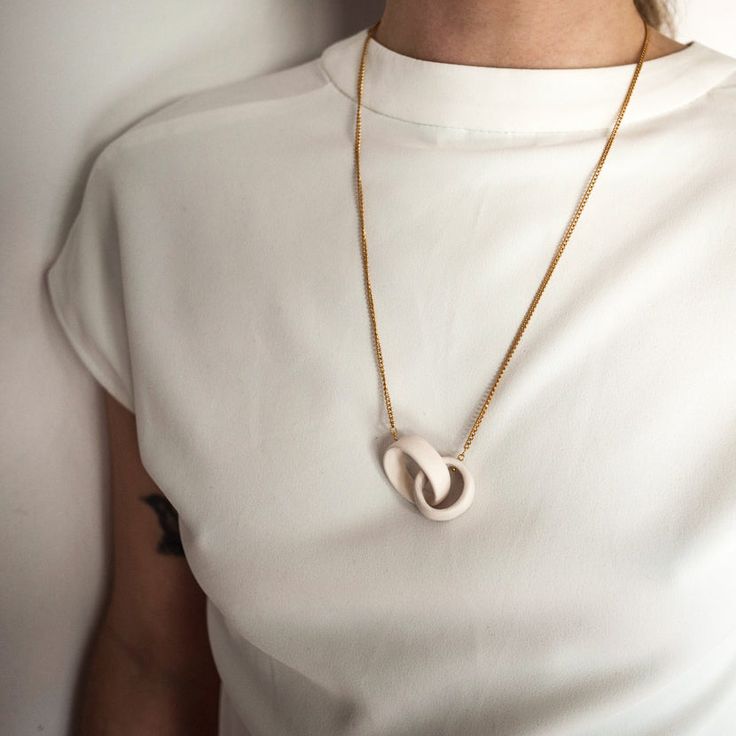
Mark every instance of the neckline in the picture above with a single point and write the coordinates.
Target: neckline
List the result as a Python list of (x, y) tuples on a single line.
[(506, 99)]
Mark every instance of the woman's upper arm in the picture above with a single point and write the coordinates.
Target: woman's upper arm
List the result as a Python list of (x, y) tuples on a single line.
[(154, 624), (155, 607)]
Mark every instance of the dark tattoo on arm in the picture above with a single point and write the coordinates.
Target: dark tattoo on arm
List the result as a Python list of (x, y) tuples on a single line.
[(168, 519)]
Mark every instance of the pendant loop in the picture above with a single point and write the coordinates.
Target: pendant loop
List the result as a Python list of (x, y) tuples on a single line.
[(458, 506), (431, 485), (426, 457)]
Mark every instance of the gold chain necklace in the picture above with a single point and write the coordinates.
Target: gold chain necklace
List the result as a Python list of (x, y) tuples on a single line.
[(435, 501)]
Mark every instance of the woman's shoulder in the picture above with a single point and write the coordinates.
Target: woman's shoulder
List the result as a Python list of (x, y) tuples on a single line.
[(717, 69), (196, 118)]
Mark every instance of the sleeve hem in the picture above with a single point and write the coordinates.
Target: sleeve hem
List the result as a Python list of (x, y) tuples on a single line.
[(96, 364)]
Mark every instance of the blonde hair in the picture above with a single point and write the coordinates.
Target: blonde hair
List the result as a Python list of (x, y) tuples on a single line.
[(657, 13)]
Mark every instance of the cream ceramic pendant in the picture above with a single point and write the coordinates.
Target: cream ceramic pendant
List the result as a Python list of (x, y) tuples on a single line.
[(429, 489), (431, 485)]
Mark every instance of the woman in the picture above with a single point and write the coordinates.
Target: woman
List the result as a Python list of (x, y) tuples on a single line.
[(217, 283)]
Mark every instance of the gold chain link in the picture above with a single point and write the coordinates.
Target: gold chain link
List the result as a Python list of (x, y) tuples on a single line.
[(545, 279)]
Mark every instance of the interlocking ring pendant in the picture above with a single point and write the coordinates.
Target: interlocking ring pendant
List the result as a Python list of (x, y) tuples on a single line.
[(431, 485)]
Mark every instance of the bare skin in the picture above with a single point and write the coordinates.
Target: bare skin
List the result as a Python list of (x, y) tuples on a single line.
[(150, 671), (520, 33)]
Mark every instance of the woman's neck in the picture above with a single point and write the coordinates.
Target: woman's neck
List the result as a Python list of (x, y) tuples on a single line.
[(520, 33)]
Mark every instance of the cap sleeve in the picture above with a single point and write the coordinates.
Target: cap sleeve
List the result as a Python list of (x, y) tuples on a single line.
[(86, 288)]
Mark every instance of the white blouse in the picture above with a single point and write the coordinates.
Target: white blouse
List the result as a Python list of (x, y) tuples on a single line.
[(212, 283)]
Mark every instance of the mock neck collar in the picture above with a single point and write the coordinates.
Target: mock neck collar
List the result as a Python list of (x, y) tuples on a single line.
[(513, 100)]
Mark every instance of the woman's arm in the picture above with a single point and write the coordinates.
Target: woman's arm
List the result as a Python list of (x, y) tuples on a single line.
[(150, 670)]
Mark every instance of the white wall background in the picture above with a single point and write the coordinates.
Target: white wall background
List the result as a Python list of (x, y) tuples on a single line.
[(73, 75)]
